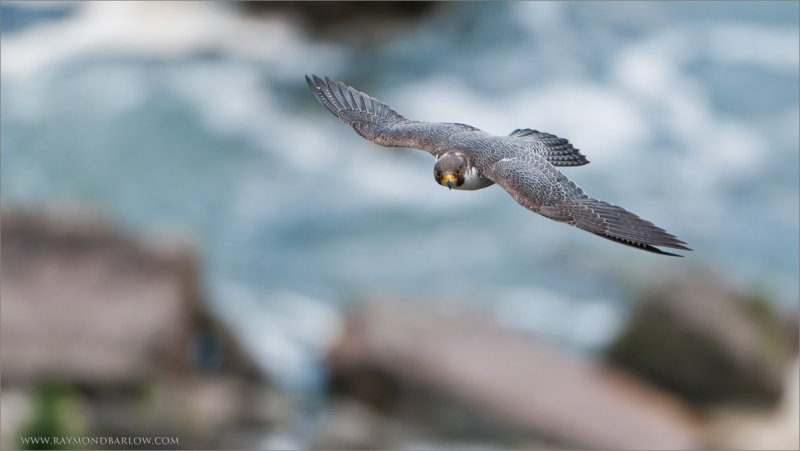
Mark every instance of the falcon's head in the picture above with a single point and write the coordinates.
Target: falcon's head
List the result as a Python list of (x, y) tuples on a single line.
[(450, 170)]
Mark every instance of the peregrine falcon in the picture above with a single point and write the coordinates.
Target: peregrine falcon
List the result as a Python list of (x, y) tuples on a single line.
[(523, 163)]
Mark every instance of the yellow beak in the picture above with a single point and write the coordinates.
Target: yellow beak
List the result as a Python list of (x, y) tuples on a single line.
[(449, 180)]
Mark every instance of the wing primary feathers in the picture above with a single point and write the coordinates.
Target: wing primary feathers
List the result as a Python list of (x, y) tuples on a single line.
[(625, 224), (361, 103), (377, 122), (339, 92), (320, 95), (617, 224), (370, 106), (325, 90), (638, 245), (351, 99)]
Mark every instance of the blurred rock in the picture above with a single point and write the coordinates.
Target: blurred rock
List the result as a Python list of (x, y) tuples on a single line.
[(118, 325), (84, 304), (748, 428), (216, 412), (352, 425), (709, 343), (329, 14), (467, 378), (360, 25)]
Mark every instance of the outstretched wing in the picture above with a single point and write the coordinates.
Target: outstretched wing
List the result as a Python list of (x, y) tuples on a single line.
[(375, 121), (540, 187), (558, 151)]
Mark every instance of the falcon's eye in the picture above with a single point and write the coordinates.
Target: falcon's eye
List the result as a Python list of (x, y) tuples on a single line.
[(438, 173), (457, 172)]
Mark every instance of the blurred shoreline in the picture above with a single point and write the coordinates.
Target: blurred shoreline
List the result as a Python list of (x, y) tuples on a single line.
[(117, 328)]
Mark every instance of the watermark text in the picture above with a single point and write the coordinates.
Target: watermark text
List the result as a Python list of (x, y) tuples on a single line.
[(100, 441)]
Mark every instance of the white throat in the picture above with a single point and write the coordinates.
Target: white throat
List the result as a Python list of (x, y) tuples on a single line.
[(472, 180)]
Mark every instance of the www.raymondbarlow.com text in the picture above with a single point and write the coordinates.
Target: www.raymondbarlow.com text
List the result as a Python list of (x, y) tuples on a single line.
[(112, 441)]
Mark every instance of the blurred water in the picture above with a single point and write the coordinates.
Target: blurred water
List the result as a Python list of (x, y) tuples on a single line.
[(194, 116)]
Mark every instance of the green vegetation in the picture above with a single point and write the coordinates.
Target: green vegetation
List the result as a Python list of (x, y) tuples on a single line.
[(54, 416)]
